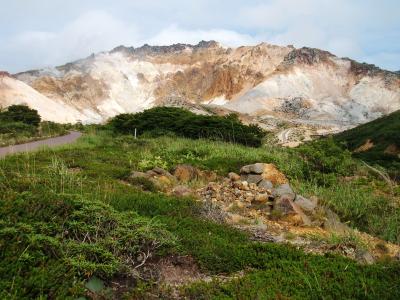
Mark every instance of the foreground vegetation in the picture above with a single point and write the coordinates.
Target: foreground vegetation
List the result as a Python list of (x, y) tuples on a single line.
[(68, 217), (20, 124)]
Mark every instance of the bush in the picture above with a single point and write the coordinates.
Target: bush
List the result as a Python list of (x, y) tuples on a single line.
[(21, 113), (160, 120), (16, 128)]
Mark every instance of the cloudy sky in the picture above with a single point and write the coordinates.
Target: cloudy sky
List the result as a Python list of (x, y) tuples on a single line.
[(40, 33)]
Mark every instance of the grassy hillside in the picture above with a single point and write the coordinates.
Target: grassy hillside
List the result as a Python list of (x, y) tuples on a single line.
[(66, 217), (376, 142)]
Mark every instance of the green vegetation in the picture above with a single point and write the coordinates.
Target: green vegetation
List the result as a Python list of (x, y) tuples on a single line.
[(67, 220), (160, 121), (19, 124), (384, 133)]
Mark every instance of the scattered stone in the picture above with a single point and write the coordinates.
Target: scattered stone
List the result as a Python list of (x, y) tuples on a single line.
[(233, 176), (261, 198)]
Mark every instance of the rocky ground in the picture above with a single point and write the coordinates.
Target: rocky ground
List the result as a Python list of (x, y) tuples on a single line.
[(260, 200)]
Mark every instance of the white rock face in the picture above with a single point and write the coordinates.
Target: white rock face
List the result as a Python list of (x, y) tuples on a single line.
[(13, 91), (320, 94)]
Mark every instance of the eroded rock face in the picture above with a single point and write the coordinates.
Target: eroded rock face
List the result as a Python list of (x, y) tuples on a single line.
[(307, 85)]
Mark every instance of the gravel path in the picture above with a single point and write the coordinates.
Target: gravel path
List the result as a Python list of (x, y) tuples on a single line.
[(32, 146)]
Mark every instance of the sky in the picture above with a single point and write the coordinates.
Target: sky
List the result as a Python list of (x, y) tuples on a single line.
[(44, 33)]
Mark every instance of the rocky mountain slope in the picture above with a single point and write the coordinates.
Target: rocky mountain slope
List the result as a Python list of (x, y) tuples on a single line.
[(266, 83)]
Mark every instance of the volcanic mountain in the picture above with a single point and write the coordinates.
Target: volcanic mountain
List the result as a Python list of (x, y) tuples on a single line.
[(265, 83)]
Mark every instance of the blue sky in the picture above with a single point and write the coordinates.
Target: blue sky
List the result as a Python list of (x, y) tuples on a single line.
[(41, 33)]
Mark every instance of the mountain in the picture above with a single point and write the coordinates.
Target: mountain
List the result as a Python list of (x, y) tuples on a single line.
[(307, 88)]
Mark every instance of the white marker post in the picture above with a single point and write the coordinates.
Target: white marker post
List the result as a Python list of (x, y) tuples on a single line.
[(135, 133)]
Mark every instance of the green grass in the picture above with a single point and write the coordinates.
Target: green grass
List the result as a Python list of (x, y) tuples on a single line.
[(66, 216)]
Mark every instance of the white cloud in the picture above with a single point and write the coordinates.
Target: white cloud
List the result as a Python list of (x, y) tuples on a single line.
[(92, 32), (175, 34), (360, 29)]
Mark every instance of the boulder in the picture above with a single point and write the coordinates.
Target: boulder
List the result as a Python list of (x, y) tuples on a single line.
[(186, 173), (286, 207), (305, 204), (265, 184), (251, 178), (284, 190), (257, 168), (267, 171)]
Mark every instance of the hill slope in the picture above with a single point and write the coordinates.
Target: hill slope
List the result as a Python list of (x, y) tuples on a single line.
[(376, 142)]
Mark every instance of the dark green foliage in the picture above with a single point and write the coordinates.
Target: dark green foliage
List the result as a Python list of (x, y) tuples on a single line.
[(382, 132), (14, 128), (19, 124), (21, 113), (164, 120)]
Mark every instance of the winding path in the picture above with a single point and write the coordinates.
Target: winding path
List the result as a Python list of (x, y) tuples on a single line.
[(32, 146)]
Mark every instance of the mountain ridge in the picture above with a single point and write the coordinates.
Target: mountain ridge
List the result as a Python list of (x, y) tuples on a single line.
[(264, 83)]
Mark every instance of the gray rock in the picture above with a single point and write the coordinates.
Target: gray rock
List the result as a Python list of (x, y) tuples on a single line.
[(286, 206), (305, 204), (284, 190), (245, 169), (265, 184), (251, 178), (332, 222), (257, 168)]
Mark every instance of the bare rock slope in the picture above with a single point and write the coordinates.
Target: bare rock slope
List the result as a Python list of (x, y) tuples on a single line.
[(265, 83)]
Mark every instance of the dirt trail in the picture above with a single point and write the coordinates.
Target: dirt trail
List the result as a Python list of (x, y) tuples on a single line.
[(32, 146)]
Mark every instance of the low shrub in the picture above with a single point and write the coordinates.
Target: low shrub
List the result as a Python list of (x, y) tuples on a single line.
[(166, 120)]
